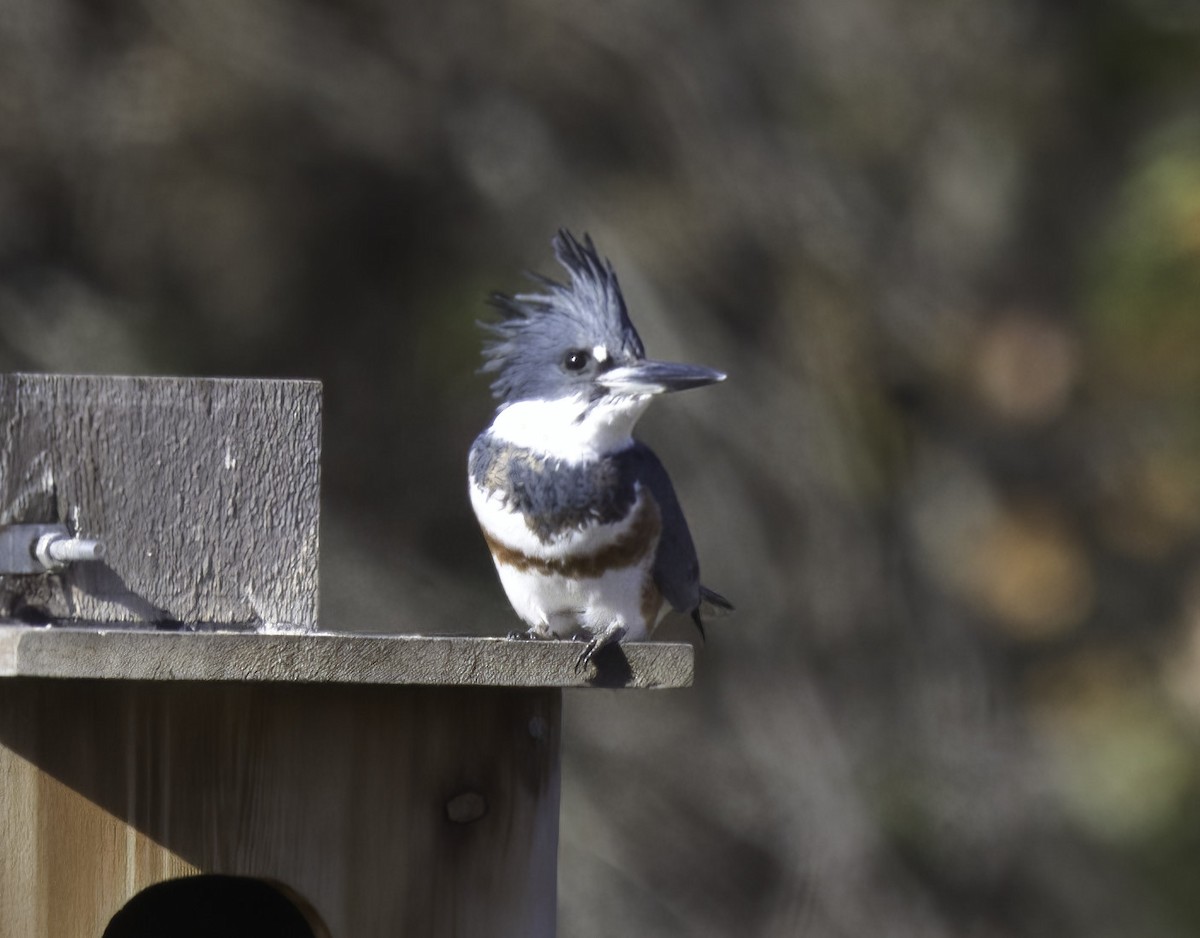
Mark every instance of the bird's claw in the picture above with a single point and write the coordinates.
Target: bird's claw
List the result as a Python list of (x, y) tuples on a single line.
[(596, 645), (585, 656)]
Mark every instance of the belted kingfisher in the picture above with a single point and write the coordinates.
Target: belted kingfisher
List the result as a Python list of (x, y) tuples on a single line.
[(581, 518)]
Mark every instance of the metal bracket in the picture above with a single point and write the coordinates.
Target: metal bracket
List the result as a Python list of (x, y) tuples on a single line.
[(43, 548)]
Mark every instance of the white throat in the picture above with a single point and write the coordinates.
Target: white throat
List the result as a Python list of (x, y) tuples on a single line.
[(568, 428)]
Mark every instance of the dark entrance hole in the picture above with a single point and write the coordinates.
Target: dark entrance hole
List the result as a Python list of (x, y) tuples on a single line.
[(215, 907)]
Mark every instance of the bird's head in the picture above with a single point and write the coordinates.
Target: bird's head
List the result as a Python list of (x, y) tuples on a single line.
[(570, 367)]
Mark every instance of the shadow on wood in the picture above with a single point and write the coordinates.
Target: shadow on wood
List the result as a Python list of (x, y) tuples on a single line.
[(612, 667), (343, 793), (397, 784), (205, 492)]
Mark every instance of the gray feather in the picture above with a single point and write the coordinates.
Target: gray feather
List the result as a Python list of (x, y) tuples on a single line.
[(676, 569), (556, 496), (536, 328)]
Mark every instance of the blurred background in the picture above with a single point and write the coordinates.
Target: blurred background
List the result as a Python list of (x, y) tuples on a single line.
[(948, 252)]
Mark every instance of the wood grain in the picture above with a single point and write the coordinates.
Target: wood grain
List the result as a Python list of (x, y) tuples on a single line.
[(350, 796), (351, 658), (205, 492)]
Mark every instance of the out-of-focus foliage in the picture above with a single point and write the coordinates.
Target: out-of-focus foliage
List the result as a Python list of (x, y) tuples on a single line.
[(949, 253)]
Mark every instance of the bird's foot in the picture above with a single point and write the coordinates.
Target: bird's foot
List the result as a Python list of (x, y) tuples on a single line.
[(598, 644), (522, 635)]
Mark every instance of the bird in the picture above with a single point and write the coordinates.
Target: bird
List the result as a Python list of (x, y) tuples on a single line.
[(582, 521)]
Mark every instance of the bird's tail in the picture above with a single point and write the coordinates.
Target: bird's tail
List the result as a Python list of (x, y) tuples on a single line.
[(712, 603), (714, 600)]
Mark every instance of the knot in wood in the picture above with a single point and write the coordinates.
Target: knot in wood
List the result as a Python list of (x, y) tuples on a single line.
[(466, 807)]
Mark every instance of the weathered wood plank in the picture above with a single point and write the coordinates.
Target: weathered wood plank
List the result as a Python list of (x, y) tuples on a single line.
[(204, 491), (350, 658), (390, 810), (52, 837)]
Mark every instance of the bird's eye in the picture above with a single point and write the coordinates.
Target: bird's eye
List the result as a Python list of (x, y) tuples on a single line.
[(576, 360)]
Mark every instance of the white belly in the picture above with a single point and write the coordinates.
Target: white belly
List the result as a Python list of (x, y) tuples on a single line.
[(555, 605)]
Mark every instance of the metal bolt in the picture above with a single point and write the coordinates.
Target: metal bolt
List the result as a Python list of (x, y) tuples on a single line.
[(54, 551), (33, 549)]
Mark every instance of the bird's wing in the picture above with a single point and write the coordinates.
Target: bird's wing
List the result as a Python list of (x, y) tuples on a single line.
[(676, 570)]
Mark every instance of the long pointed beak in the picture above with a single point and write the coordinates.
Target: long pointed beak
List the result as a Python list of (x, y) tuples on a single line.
[(651, 377)]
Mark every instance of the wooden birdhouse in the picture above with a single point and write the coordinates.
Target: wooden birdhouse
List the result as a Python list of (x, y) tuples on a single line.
[(184, 752)]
